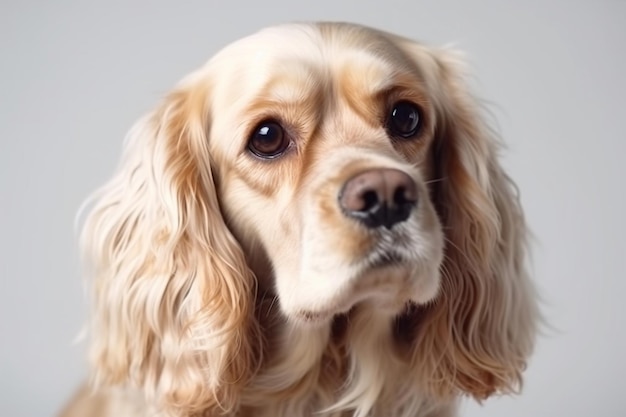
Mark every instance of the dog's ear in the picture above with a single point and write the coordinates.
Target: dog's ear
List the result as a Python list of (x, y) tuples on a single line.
[(476, 337), (172, 293)]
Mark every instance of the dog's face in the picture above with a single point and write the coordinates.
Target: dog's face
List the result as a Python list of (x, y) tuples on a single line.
[(321, 141)]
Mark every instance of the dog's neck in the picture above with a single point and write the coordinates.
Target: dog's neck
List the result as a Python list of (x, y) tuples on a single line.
[(353, 366)]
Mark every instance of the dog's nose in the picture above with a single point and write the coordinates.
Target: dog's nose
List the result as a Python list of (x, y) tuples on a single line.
[(379, 197)]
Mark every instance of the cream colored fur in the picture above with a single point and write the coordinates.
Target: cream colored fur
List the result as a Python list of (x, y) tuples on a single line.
[(223, 284)]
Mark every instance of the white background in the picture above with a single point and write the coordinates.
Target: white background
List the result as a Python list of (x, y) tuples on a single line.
[(75, 75)]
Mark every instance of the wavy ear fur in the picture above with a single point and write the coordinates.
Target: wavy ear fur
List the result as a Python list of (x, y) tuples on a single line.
[(172, 294), (478, 334)]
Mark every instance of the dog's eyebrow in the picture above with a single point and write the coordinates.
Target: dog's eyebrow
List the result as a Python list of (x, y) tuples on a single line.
[(293, 86), (373, 75), (367, 82), (292, 78)]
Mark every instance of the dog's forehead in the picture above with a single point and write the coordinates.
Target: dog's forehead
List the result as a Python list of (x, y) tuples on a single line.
[(307, 52), (322, 43)]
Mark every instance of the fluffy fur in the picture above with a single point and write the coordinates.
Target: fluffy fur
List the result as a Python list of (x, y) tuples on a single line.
[(225, 284)]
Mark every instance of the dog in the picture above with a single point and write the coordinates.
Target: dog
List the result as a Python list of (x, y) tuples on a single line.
[(315, 222)]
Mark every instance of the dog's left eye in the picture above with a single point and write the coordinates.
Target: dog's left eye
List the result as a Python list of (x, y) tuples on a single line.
[(405, 119), (268, 140)]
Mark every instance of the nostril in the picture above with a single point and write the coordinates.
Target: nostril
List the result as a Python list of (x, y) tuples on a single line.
[(402, 196), (370, 200), (399, 196)]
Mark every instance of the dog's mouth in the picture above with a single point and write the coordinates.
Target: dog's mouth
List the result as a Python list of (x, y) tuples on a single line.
[(385, 259), (383, 280), (313, 317)]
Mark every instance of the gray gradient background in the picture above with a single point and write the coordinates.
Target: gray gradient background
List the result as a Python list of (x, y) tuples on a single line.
[(75, 75)]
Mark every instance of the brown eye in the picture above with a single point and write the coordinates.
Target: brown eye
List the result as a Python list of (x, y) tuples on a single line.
[(404, 119), (268, 140)]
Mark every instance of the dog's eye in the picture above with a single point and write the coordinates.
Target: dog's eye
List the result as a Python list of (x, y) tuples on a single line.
[(404, 119), (268, 140)]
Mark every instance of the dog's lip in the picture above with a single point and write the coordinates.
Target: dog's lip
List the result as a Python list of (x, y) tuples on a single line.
[(386, 259), (312, 317)]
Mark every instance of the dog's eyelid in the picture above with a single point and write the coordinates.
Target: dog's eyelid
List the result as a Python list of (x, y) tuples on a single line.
[(269, 159), (405, 92)]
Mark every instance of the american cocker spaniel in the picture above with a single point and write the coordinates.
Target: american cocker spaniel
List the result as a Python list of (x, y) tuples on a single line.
[(314, 223)]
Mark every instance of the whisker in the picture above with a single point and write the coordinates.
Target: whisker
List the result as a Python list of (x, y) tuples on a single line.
[(273, 303), (435, 180)]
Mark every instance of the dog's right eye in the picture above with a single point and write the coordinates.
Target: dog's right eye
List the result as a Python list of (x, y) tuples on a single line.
[(268, 140)]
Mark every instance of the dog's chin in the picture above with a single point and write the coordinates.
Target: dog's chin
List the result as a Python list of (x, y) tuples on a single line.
[(385, 283)]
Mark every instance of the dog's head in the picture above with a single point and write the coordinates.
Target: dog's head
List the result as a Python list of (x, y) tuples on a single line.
[(329, 166), (321, 140)]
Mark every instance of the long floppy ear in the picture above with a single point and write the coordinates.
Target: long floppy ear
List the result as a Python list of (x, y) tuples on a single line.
[(476, 337), (172, 294)]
